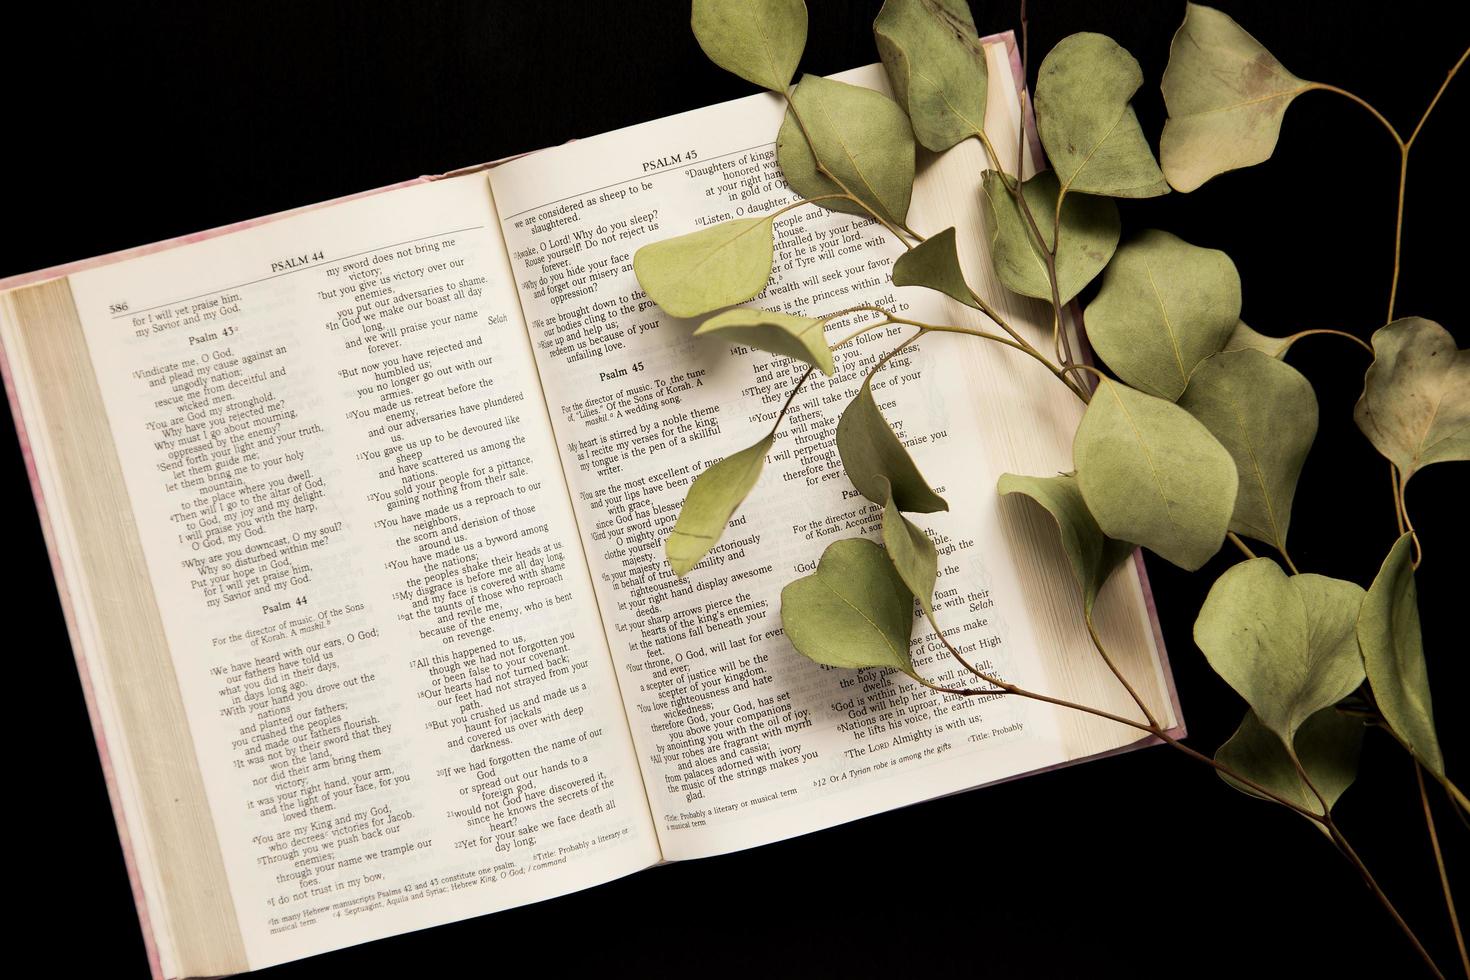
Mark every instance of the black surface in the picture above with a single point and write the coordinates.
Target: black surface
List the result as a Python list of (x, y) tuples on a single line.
[(128, 126)]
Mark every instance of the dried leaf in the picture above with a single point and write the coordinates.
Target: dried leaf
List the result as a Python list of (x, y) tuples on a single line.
[(877, 462), (704, 270), (1164, 306), (934, 263), (1089, 234), (1093, 554), (853, 611), (860, 137), (913, 554), (759, 40), (712, 499), (1226, 96), (1415, 406), (799, 337), (1265, 414), (1153, 474), (936, 65), (1090, 131), (1327, 746)]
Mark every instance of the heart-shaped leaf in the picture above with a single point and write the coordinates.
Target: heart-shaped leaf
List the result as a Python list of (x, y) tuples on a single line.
[(801, 337), (1164, 306), (913, 554), (1226, 96), (853, 611), (877, 462), (1089, 235), (860, 137), (1393, 654), (704, 270), (712, 498), (1327, 746), (1265, 415), (1415, 406), (1244, 338), (759, 40), (935, 264), (1093, 554), (1151, 473), (1090, 131), (1287, 645), (936, 65)]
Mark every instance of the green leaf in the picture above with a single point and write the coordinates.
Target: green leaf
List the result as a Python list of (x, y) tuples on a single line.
[(936, 65), (1327, 746), (1164, 306), (913, 554), (712, 498), (853, 611), (1415, 406), (801, 337), (1090, 131), (860, 137), (759, 40), (935, 264), (1093, 554), (1090, 232), (877, 462), (1153, 474), (1287, 645), (1226, 96), (704, 270), (1265, 415), (1393, 653), (1244, 338)]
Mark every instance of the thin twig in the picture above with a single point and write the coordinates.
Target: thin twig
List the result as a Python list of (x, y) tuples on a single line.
[(1444, 878)]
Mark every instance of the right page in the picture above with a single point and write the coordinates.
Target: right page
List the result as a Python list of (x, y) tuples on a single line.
[(742, 740)]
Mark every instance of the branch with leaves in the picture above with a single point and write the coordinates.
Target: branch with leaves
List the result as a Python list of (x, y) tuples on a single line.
[(1196, 434)]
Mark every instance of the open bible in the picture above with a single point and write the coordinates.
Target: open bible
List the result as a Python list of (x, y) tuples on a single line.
[(358, 512)]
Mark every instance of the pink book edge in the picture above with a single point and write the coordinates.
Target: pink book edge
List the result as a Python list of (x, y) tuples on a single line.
[(89, 695)]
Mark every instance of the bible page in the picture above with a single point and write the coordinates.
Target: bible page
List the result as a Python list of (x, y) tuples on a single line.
[(367, 567), (742, 740)]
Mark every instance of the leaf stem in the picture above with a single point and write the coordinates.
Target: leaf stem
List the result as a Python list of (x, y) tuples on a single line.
[(1235, 539), (1347, 849), (1444, 878), (1021, 346), (1323, 330), (1097, 644), (1005, 687)]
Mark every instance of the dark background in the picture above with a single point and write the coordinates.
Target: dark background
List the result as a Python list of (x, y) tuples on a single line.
[(130, 125)]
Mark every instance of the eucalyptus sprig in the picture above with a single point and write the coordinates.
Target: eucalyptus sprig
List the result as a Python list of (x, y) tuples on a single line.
[(1195, 436)]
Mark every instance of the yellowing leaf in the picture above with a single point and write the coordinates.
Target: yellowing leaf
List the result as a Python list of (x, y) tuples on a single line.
[(759, 40), (861, 137), (853, 611), (800, 337), (1415, 406), (704, 270), (1153, 474), (1226, 96), (1090, 131), (936, 64), (712, 499)]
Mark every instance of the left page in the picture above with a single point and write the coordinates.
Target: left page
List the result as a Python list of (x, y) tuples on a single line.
[(383, 629)]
